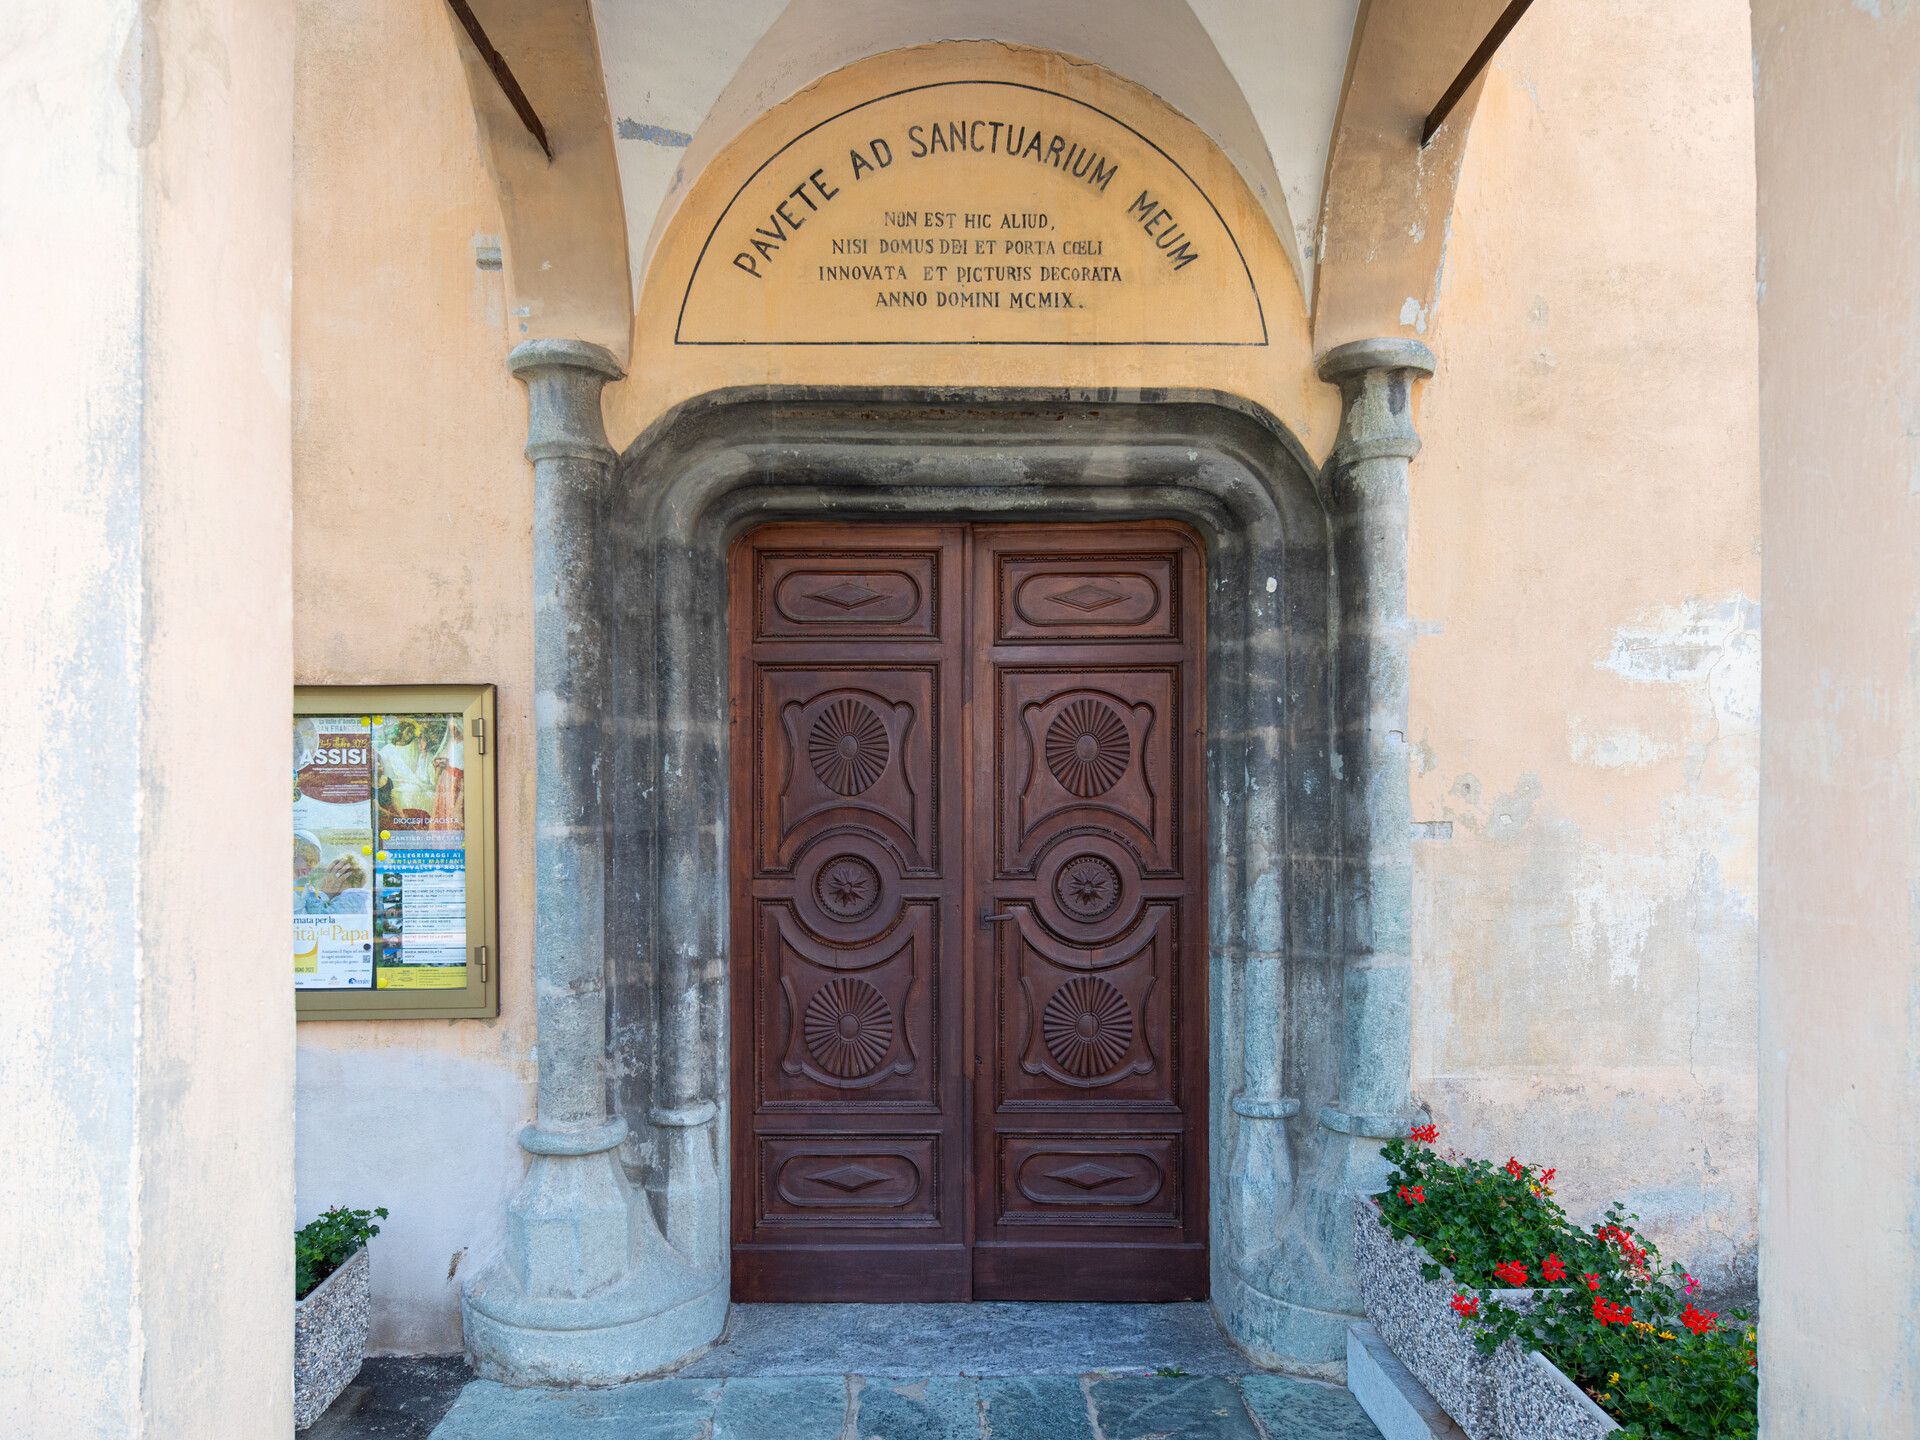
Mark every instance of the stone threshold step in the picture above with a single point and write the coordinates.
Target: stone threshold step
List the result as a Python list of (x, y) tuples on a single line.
[(1095, 1406), (1397, 1403)]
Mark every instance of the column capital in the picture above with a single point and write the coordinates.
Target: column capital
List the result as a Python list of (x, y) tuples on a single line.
[(564, 379), (1376, 380), (1355, 358)]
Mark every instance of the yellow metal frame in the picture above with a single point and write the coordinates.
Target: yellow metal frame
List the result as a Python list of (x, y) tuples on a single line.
[(481, 997)]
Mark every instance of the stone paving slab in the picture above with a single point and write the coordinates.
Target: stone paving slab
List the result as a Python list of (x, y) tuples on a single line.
[(1034, 1407), (1302, 1410), (855, 1407), (1132, 1407), (982, 1338), (933, 1409), (795, 1407)]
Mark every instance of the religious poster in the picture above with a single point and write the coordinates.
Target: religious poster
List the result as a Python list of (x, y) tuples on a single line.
[(332, 853), (420, 911)]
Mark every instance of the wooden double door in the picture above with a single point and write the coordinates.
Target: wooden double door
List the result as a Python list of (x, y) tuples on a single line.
[(968, 920)]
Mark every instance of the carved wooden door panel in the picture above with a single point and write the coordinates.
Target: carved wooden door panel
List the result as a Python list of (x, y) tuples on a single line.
[(931, 725), (848, 872), (1088, 843)]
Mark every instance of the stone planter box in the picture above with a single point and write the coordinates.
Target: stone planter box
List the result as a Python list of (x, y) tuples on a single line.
[(1509, 1395), (330, 1338)]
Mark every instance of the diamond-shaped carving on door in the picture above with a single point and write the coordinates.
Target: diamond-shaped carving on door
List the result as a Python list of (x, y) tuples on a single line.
[(1088, 597), (850, 1178), (1087, 1176)]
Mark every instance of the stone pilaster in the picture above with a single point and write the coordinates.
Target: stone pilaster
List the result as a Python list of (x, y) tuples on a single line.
[(1368, 499), (587, 1290), (567, 1227)]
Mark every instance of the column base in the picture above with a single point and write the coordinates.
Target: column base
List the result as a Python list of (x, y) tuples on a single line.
[(660, 1316), (1278, 1334)]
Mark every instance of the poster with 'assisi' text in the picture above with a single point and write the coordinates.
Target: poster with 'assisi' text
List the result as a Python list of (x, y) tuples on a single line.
[(332, 853)]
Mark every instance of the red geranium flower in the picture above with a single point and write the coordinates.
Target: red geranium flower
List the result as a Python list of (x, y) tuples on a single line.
[(1426, 1134), (1516, 1169), (1553, 1268), (1414, 1195), (1463, 1306), (1608, 1313), (1511, 1272), (1699, 1321), (1593, 1281), (1623, 1241)]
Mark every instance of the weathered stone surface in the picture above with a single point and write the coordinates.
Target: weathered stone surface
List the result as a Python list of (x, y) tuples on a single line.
[(924, 1409), (394, 1396), (654, 1410), (1150, 1407), (982, 1338), (1291, 1409), (1035, 1407), (804, 1407), (330, 1337)]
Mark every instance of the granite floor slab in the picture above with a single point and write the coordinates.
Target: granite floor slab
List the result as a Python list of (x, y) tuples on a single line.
[(984, 1338), (937, 1372), (855, 1407)]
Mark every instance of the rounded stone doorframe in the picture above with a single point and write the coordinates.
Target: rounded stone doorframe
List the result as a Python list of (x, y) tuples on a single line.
[(617, 1259)]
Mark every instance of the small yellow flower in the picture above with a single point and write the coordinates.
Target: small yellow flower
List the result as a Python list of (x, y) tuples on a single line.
[(1666, 1335), (1614, 1378)]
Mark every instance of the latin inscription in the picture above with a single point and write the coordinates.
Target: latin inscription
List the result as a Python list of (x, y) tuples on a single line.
[(890, 223)]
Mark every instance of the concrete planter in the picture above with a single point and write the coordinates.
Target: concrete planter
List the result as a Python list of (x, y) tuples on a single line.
[(330, 1338), (1532, 1397), (1509, 1395)]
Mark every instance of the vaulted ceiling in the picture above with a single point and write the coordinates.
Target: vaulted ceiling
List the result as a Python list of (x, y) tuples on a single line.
[(1318, 103)]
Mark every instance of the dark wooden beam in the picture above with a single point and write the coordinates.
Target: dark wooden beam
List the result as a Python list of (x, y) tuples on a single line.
[(1502, 28), (497, 63)]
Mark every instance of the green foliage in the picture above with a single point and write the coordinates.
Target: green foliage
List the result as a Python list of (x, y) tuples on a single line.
[(323, 1245), (1472, 1216), (1605, 1312)]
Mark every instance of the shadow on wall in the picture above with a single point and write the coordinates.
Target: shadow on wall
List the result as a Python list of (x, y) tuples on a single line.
[(433, 1138)]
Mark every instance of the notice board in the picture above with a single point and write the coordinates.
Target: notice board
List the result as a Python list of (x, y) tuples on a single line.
[(395, 898)]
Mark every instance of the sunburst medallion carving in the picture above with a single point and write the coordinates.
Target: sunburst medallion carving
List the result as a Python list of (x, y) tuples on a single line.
[(848, 1027), (1087, 888), (847, 887), (1087, 748), (848, 747), (1088, 1026)]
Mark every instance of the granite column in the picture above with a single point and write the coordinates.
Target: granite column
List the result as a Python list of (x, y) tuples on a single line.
[(1368, 497)]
